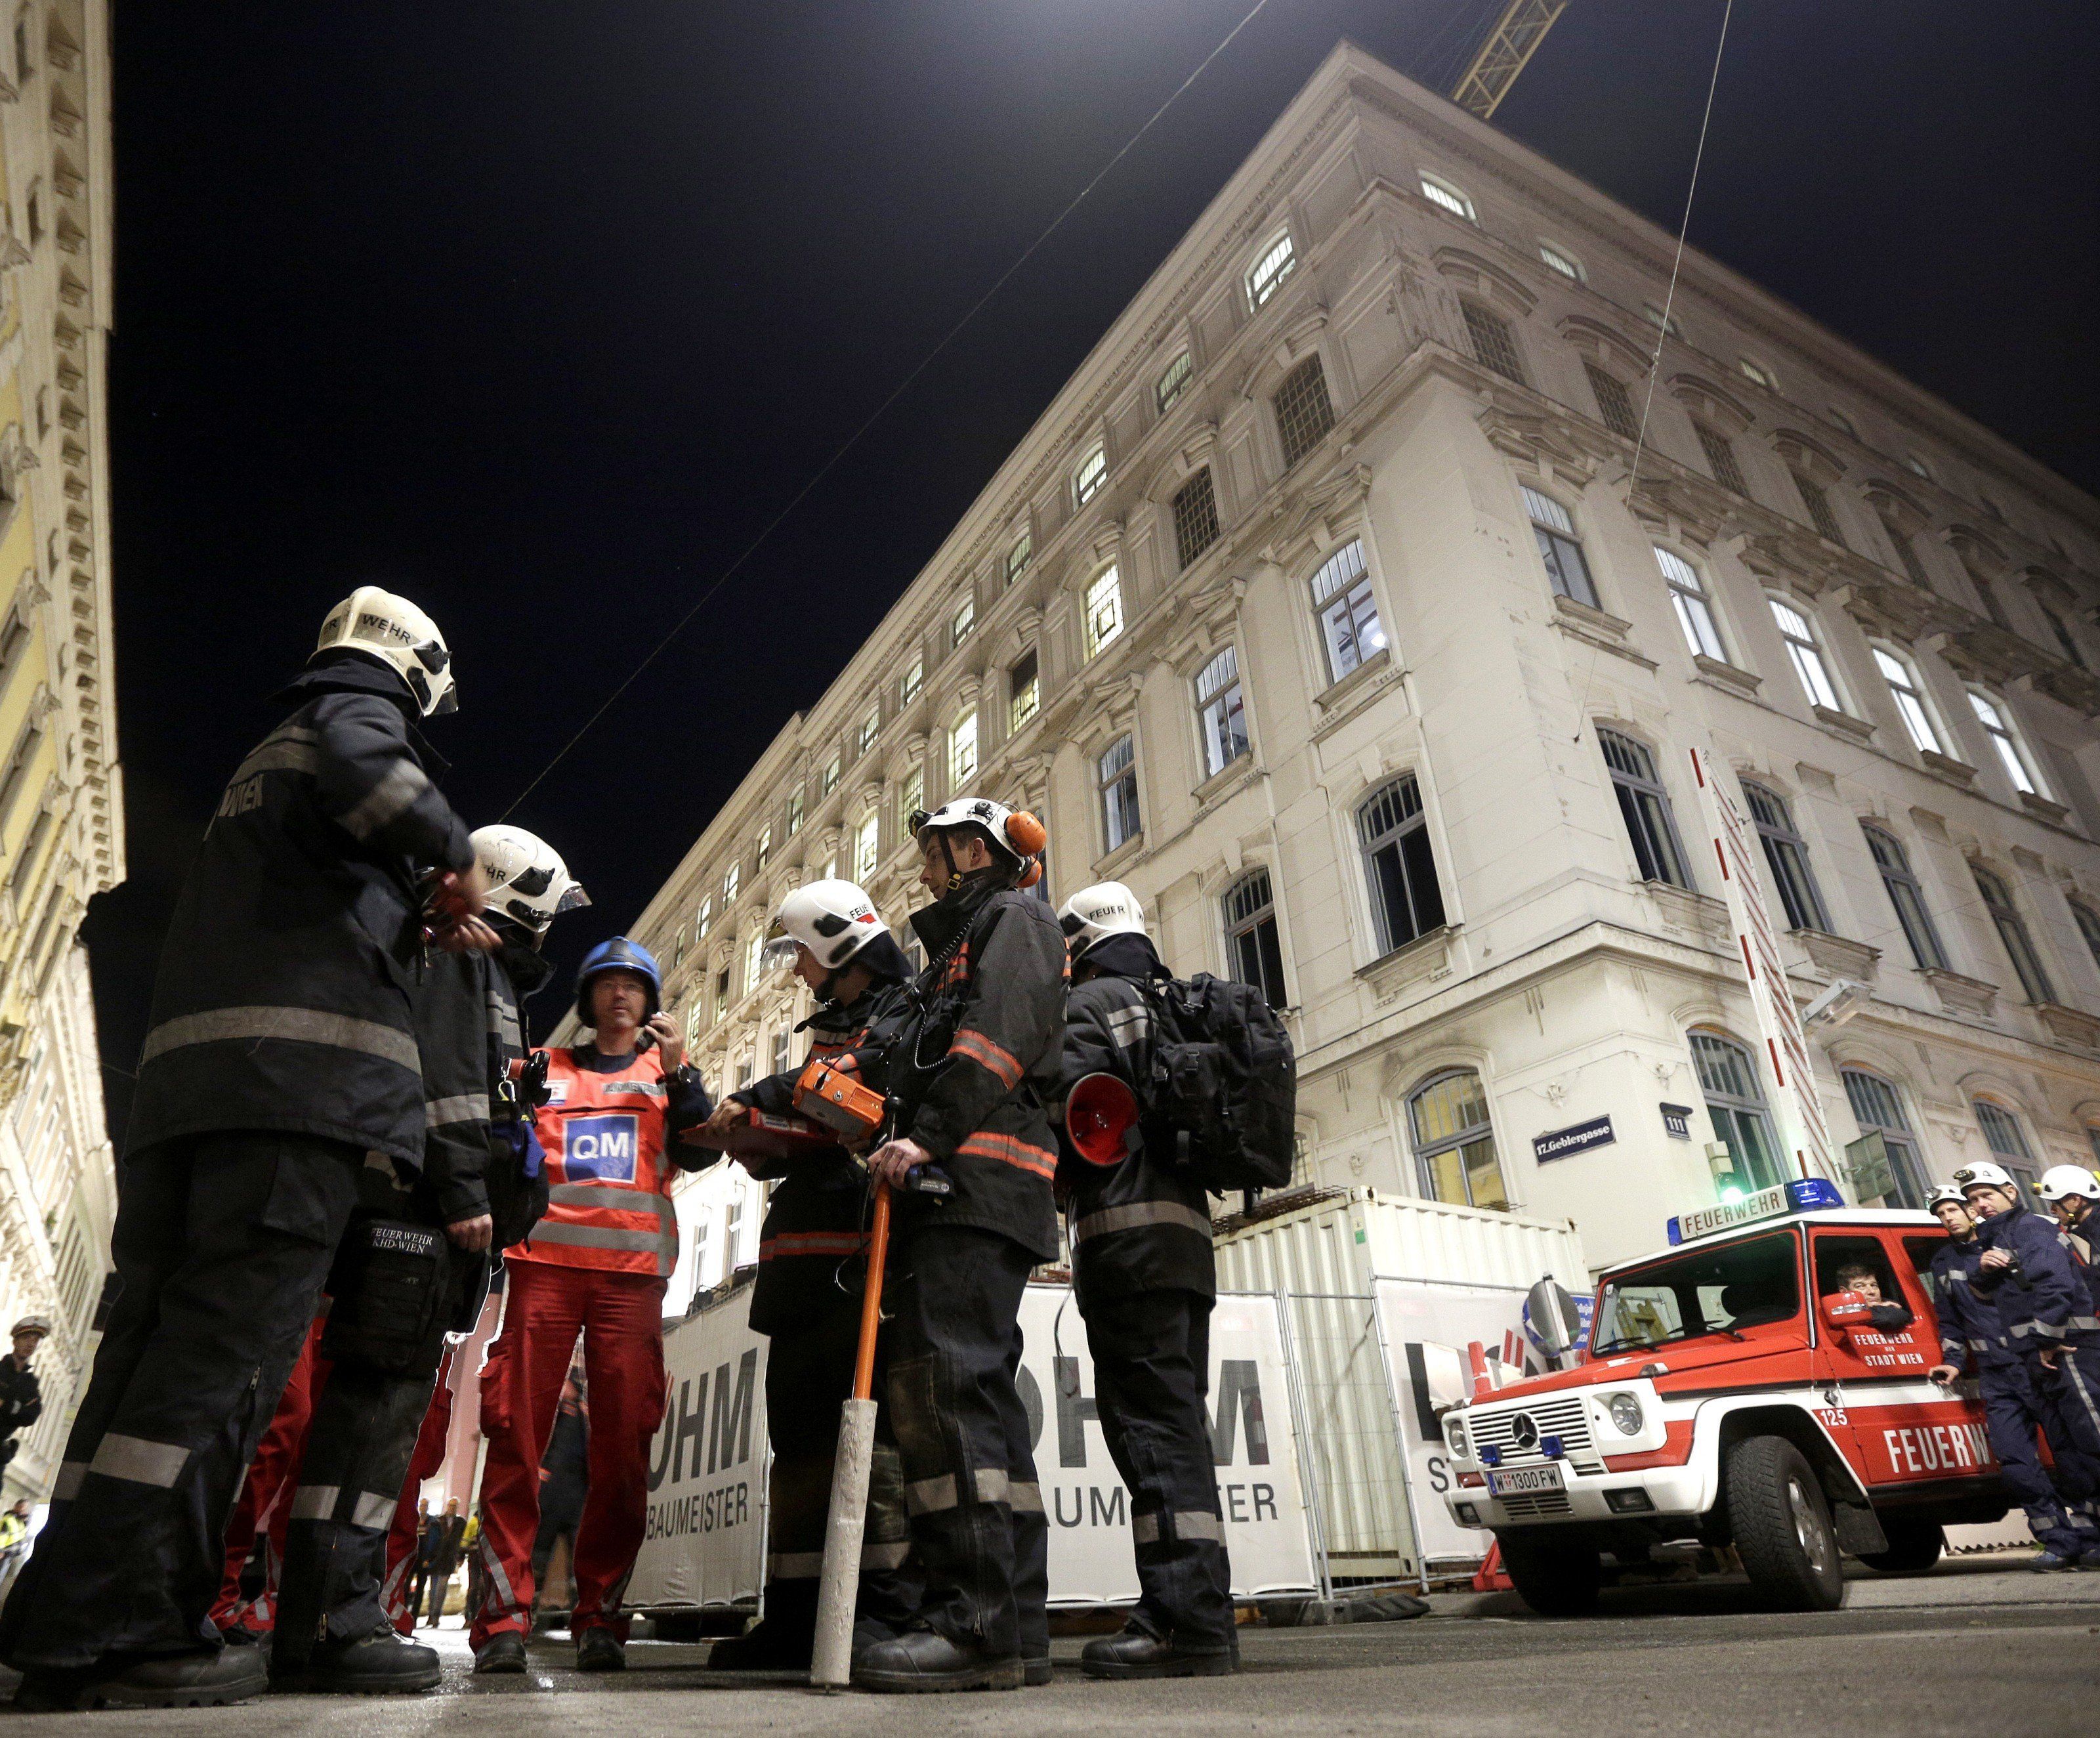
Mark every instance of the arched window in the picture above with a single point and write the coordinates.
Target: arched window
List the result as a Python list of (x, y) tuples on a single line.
[(1303, 411), (1877, 1109), (2005, 741), (1348, 614), (962, 752), (1172, 383), (1695, 613), (1561, 260), (1117, 778), (1786, 855), (1735, 1103), (1252, 940), (1555, 532), (1395, 833), (1271, 266), (1221, 713), (1906, 894), (1441, 192), (1806, 655), (1104, 614), (1644, 806), (1455, 1142), (1088, 475), (1907, 690), (2008, 1142), (2013, 931)]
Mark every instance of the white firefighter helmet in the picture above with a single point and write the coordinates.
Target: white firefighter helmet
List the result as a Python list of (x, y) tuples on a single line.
[(1946, 1195), (2060, 1181), (1986, 1175), (393, 630), (527, 881), (1094, 914), (834, 920), (1014, 832)]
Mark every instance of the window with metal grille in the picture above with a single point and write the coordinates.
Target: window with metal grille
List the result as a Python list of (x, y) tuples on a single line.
[(1613, 403), (1814, 497), (1879, 1110), (1279, 260), (1253, 943), (2088, 926), (2013, 932), (1103, 618), (1561, 262), (1907, 554), (1092, 472), (965, 619), (962, 752), (1116, 774), (1221, 712), (1023, 690), (1554, 531), (1786, 855), (1018, 556), (2011, 751), (1443, 193), (1720, 458), (1347, 611), (1986, 594), (1695, 613), (1906, 894), (13, 638), (2062, 629), (1494, 347), (1195, 516), (1644, 806), (1736, 1104), (871, 727), (1909, 694), (1805, 655), (1455, 1142), (2007, 1140), (1302, 413), (1173, 382), (913, 679), (1398, 864), (867, 851)]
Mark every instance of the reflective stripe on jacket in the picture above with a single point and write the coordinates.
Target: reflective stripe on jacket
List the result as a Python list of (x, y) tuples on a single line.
[(608, 1181)]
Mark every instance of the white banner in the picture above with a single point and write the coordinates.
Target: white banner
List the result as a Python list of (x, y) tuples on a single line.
[(705, 1543)]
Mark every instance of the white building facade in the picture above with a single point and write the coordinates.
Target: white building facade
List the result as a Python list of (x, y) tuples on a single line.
[(1330, 606)]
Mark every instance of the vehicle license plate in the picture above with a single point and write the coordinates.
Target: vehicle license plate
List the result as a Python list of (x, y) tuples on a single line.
[(1526, 1479)]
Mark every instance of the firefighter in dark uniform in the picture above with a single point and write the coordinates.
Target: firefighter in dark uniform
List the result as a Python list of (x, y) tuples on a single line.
[(2071, 1193), (807, 1294), (1146, 1279), (972, 1068), (282, 1052)]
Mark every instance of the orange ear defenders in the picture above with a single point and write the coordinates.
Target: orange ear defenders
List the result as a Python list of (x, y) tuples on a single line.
[(1027, 837)]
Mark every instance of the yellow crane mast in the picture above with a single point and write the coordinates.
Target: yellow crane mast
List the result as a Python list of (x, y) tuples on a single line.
[(1504, 53)]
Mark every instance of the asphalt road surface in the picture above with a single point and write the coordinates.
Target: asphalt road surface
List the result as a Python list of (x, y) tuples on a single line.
[(1975, 1647)]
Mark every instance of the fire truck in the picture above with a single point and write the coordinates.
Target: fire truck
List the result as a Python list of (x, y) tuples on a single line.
[(1733, 1393)]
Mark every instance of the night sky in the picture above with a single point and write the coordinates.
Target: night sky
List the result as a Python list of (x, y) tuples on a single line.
[(539, 312)]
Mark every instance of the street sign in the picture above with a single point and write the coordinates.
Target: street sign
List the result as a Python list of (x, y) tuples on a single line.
[(1596, 1132)]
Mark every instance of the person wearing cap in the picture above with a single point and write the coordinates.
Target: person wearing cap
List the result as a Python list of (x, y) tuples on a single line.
[(281, 1051), (1146, 1279), (21, 1400), (806, 1297), (972, 1068), (2026, 1271), (597, 1264)]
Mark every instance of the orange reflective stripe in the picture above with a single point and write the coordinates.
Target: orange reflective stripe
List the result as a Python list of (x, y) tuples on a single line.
[(1009, 1151), (813, 1243), (995, 1059)]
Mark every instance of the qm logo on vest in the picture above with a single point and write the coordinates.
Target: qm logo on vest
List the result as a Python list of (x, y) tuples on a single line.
[(599, 1146)]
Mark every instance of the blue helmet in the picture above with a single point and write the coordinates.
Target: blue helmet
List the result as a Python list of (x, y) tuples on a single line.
[(618, 955)]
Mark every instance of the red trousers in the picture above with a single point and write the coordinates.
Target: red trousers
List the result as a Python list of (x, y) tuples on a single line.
[(264, 1505), (621, 1318), (401, 1537)]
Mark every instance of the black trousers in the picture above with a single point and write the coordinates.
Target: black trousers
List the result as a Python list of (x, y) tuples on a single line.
[(221, 1243), (979, 1530), (1152, 1378)]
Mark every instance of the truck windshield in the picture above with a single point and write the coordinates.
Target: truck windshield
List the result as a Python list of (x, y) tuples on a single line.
[(1754, 1283)]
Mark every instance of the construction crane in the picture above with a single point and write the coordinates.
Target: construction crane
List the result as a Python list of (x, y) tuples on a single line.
[(1508, 48)]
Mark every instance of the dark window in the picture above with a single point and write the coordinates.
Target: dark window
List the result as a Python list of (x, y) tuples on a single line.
[(1818, 503), (1987, 594), (1195, 516), (1492, 346), (1613, 404), (1786, 855), (1557, 547), (2088, 926), (13, 637), (1396, 856), (2002, 1134), (1023, 690), (1644, 805), (1016, 557), (1907, 554), (1720, 458), (1735, 1103), (1878, 1110), (2062, 629), (1303, 412), (11, 782), (1906, 894), (1118, 779), (2013, 932), (1251, 937)]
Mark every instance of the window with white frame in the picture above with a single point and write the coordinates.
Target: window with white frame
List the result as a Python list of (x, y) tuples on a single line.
[(1917, 467), (794, 812), (1906, 894), (1561, 260), (1555, 533), (731, 877), (1253, 943), (754, 950), (1018, 556), (764, 852), (782, 1043), (705, 916), (1222, 711), (1173, 382), (1348, 613), (1695, 613), (1116, 774), (1276, 261), (1104, 612), (1455, 1142), (2005, 742), (866, 847), (871, 727), (1757, 373), (1438, 192), (1805, 655), (963, 751), (1908, 690), (1398, 862), (1644, 806), (913, 679), (964, 619), (1786, 855), (2012, 930), (1089, 474)]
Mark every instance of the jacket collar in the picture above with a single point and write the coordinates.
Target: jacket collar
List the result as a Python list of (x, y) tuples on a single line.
[(353, 672), (939, 924)]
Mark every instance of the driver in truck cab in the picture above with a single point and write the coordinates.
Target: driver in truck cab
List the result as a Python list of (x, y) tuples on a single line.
[(1884, 1315)]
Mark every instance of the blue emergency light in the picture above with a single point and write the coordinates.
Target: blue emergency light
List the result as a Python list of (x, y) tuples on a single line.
[(1490, 1455), (1812, 1194), (1552, 1447)]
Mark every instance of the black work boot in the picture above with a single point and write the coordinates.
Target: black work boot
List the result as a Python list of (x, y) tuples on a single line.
[(925, 1661), (502, 1652), (767, 1646), (599, 1650), (1136, 1652), (213, 1678), (1036, 1673), (379, 1664)]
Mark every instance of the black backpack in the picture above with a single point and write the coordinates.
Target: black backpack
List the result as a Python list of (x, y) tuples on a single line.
[(1224, 1083)]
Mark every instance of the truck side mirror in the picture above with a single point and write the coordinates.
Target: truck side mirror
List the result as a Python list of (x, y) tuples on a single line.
[(1845, 1309)]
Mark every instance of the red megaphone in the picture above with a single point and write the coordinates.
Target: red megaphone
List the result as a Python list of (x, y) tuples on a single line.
[(1102, 1117)]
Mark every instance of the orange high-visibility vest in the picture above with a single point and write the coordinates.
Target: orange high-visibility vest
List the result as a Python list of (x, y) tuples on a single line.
[(608, 1205)]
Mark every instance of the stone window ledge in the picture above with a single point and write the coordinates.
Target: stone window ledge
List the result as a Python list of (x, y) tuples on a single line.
[(1958, 994), (1727, 676), (1428, 955), (1956, 772), (1844, 724), (2073, 1025), (1838, 955)]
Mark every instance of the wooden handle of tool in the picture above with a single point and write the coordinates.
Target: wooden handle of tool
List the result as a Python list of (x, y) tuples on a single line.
[(871, 1298)]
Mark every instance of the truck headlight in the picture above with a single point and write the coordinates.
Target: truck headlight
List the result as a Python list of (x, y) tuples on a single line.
[(1626, 1410), (1454, 1433)]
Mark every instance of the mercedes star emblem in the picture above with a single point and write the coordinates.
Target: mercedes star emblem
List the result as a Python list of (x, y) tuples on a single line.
[(1524, 1432)]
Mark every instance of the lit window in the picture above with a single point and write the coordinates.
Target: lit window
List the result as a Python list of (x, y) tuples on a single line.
[(1018, 556), (1253, 944), (1442, 193), (1492, 346), (963, 753), (912, 796), (707, 916), (1173, 382), (866, 842), (783, 1040), (1840, 422), (731, 879), (871, 727), (1104, 620), (1644, 806), (1348, 612), (1818, 503), (1909, 693), (1092, 473), (721, 992), (1277, 261), (965, 619), (1695, 615), (1613, 404), (1023, 690), (832, 770), (765, 846), (1906, 894), (1563, 263), (1736, 1106), (794, 812), (1303, 415), (913, 679), (1806, 655), (1195, 516), (754, 951), (1656, 317), (1757, 373), (1398, 864), (2012, 753), (2013, 931), (1117, 776), (1222, 711), (1917, 467), (1555, 532), (1720, 458), (1454, 1143), (2003, 1135), (1786, 855)]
